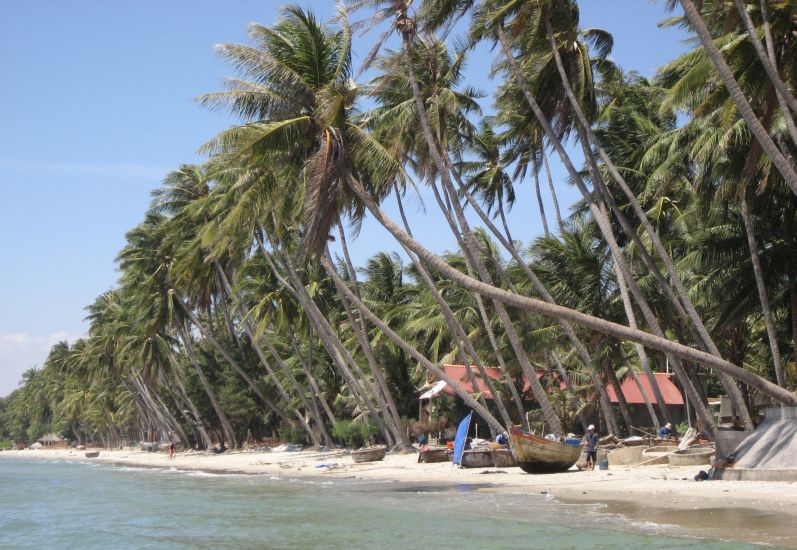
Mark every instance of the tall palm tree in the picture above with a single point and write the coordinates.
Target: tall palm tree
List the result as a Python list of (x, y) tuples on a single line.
[(779, 160)]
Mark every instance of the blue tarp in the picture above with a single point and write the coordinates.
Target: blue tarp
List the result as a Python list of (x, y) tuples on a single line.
[(459, 440)]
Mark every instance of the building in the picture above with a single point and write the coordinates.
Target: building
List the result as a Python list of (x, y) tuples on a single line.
[(673, 399), (53, 441)]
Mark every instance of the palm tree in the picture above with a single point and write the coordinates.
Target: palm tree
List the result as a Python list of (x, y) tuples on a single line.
[(779, 160)]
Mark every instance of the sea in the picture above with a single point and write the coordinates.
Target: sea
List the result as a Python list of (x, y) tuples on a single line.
[(63, 504)]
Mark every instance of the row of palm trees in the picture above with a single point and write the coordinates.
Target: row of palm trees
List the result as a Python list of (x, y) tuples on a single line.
[(239, 307)]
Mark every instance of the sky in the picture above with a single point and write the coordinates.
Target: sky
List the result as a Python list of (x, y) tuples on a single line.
[(97, 105)]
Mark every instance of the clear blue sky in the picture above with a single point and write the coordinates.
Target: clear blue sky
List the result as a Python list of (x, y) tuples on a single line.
[(96, 105)]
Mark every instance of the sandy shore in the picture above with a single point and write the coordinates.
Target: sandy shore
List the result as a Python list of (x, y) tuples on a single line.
[(752, 511)]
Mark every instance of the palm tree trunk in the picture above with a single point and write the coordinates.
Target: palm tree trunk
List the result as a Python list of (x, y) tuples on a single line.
[(250, 332), (575, 402), (332, 343), (469, 261), (297, 388), (769, 321), (644, 360), (308, 372), (361, 332), (737, 95), (600, 217), (552, 188), (536, 169), (412, 352), (459, 330), (203, 434), (770, 43), (156, 409), (559, 312), (443, 169), (587, 136), (651, 411), (567, 328), (785, 99), (226, 427), (621, 401), (227, 357), (473, 258)]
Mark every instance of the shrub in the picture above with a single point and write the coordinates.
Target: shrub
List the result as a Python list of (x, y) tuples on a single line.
[(297, 436), (354, 434)]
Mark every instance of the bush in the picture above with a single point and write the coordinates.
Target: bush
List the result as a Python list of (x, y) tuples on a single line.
[(297, 436), (354, 434)]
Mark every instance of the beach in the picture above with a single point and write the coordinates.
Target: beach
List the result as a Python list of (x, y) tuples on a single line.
[(732, 510)]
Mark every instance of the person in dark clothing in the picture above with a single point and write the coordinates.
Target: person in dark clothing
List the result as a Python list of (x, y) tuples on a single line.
[(591, 446), (666, 432)]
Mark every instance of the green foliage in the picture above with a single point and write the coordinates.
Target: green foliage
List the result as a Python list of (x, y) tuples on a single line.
[(176, 340), (354, 433), (293, 435)]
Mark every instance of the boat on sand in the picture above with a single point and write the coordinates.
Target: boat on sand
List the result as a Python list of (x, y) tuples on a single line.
[(92, 454), (535, 454), (434, 455), (369, 454), (480, 458), (502, 458)]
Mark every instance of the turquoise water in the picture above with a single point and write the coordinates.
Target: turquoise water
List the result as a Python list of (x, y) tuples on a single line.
[(78, 505)]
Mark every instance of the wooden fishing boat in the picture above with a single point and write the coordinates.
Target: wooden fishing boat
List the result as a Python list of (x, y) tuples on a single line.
[(92, 454), (476, 459), (434, 455), (369, 454), (502, 458), (535, 454)]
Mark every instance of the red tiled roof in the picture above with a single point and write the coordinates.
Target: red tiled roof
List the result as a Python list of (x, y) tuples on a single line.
[(669, 391), (460, 374)]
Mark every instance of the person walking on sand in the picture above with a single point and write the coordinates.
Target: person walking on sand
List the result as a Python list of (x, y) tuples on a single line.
[(171, 450), (592, 446)]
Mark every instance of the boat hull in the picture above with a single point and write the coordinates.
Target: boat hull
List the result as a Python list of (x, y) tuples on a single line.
[(502, 458), (476, 459), (372, 454), (537, 455), (434, 455), (92, 454)]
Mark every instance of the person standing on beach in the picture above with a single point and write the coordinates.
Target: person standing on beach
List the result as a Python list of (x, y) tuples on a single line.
[(592, 446), (171, 450)]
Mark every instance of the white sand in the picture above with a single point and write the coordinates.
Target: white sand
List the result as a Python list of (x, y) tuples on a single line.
[(635, 491)]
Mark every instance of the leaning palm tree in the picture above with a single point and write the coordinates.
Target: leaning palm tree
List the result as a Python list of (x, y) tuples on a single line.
[(718, 363), (784, 166)]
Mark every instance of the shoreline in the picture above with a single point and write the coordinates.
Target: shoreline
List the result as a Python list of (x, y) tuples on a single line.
[(746, 511)]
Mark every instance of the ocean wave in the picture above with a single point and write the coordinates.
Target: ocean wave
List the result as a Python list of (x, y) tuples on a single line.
[(200, 473)]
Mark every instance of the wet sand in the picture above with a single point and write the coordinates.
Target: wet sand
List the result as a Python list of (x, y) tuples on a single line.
[(764, 512), (724, 523)]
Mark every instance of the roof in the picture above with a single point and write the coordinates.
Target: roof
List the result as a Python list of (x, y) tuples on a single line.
[(669, 391), (50, 438), (459, 374), (434, 391)]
